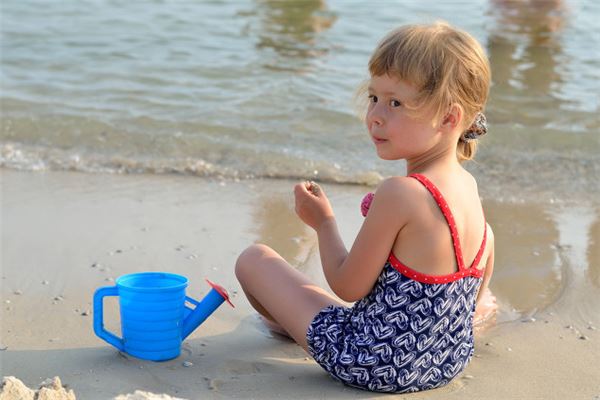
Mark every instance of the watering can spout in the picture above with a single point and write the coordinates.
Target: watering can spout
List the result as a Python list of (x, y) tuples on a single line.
[(194, 317)]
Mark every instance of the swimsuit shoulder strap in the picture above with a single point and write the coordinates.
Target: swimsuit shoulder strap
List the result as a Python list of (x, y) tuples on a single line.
[(443, 205)]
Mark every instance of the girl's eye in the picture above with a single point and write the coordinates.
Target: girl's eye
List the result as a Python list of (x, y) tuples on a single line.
[(395, 103), (373, 98)]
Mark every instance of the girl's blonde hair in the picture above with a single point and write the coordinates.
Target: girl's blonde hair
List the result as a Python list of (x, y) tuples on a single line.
[(445, 64)]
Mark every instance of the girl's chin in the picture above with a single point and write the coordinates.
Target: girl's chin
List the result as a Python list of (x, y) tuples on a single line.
[(386, 156)]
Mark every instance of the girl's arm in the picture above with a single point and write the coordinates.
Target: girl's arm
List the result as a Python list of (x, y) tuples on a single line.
[(352, 275), (489, 266), (486, 306)]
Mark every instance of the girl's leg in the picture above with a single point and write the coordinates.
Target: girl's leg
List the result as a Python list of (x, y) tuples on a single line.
[(279, 292), (274, 327)]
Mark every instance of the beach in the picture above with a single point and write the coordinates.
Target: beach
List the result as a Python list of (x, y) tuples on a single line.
[(152, 136), (65, 234)]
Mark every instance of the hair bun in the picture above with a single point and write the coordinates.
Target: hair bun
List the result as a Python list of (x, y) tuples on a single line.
[(477, 128)]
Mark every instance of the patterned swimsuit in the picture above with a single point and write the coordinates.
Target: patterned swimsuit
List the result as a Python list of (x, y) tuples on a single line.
[(411, 332)]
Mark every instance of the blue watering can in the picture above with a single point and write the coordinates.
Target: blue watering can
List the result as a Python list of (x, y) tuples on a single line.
[(154, 316)]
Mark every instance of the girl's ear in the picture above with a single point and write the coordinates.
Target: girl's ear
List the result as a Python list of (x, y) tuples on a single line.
[(453, 118)]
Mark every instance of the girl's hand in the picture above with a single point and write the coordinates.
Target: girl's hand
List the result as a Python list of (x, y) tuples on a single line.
[(312, 205)]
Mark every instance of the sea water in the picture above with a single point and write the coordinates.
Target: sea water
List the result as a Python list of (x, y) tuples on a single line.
[(264, 88)]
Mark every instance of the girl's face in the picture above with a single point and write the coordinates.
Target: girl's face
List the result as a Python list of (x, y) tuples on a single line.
[(395, 132)]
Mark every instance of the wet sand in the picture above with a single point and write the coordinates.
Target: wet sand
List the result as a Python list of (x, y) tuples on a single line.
[(66, 234)]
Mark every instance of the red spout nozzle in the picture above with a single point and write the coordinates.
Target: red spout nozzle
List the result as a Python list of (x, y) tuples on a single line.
[(221, 291)]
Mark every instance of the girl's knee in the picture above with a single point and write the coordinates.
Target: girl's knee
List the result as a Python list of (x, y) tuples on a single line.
[(249, 258)]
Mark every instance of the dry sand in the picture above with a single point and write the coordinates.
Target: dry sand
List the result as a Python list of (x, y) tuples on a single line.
[(66, 234)]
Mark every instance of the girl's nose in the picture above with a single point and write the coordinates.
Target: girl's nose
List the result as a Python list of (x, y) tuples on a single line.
[(374, 116)]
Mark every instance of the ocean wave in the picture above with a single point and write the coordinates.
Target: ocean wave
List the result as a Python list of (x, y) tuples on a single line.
[(38, 158), (502, 174)]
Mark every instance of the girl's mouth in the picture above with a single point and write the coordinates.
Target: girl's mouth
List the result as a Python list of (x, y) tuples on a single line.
[(377, 140)]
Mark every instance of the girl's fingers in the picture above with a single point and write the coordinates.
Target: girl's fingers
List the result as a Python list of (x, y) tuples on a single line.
[(305, 187), (301, 189)]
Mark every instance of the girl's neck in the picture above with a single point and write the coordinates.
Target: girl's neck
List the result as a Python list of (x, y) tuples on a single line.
[(445, 160)]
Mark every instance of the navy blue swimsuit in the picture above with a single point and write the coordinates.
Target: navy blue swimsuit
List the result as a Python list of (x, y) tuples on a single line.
[(411, 332)]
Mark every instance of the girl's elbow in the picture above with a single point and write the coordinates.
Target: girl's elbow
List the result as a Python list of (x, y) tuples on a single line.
[(347, 286), (349, 294)]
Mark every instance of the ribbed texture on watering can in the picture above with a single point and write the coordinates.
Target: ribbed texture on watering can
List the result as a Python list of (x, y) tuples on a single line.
[(152, 316)]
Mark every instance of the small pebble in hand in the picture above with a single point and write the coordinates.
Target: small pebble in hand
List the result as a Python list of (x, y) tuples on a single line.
[(314, 188)]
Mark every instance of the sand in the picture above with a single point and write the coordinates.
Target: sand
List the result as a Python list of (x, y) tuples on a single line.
[(65, 234)]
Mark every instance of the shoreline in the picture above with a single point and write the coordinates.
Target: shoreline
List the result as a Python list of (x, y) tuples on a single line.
[(78, 231)]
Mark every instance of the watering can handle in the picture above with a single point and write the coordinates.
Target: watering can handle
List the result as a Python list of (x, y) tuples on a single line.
[(99, 316)]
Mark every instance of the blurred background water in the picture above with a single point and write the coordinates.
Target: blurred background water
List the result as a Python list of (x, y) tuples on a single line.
[(263, 88)]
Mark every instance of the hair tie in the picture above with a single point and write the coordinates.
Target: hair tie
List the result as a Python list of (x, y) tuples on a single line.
[(477, 128)]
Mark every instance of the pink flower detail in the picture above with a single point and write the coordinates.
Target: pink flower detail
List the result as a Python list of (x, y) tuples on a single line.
[(366, 203)]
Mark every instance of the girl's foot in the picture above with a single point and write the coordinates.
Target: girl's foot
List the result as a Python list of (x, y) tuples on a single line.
[(485, 311)]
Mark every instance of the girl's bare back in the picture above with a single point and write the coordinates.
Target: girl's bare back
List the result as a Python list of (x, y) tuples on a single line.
[(425, 243)]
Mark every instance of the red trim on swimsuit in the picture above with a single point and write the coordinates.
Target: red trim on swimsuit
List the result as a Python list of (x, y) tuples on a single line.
[(462, 270)]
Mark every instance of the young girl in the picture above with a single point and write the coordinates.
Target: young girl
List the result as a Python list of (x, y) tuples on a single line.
[(424, 255)]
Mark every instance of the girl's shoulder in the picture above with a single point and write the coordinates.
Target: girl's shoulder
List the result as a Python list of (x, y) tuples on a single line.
[(417, 195), (400, 190), (400, 198)]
